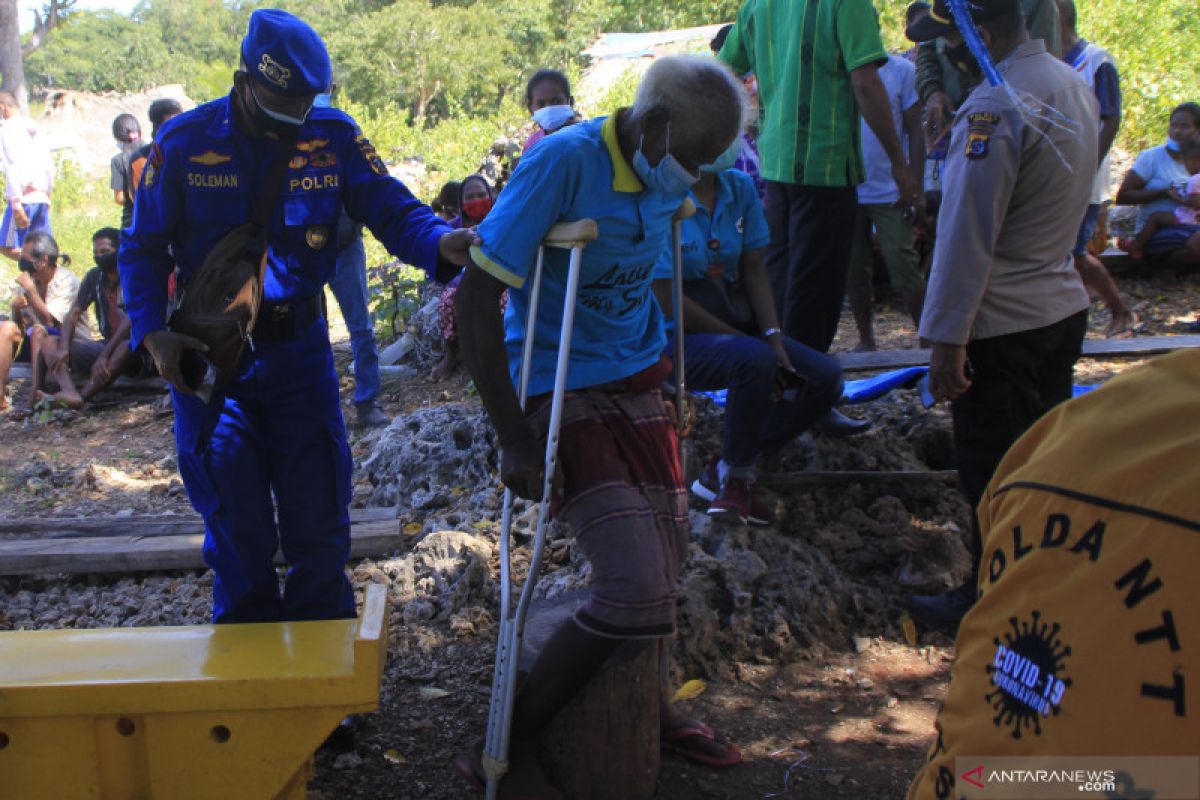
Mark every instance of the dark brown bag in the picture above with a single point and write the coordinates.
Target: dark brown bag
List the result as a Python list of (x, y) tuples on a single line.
[(219, 305)]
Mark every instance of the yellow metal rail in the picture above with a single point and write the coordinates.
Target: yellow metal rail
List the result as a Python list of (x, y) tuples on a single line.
[(207, 711)]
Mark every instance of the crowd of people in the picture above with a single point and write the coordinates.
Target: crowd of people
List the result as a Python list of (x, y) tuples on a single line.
[(977, 164)]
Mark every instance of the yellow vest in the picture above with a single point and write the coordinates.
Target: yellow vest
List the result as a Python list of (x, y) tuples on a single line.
[(1086, 636)]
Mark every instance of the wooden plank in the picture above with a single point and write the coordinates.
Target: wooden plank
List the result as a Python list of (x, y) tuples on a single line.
[(25, 372), (791, 480), (882, 359), (1135, 347), (139, 526), (141, 554)]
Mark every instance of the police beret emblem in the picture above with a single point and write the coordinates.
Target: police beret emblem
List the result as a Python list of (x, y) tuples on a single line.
[(316, 236), (275, 72)]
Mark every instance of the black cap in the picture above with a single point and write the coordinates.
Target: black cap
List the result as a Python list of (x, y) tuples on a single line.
[(914, 8), (940, 21)]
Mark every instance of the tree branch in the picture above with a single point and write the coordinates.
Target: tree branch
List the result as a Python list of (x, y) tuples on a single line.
[(42, 25)]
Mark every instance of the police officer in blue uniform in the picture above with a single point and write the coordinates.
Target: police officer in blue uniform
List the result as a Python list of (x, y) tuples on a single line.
[(265, 461)]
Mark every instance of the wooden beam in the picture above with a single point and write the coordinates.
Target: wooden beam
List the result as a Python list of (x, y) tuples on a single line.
[(138, 526), (1135, 347), (793, 480), (102, 554)]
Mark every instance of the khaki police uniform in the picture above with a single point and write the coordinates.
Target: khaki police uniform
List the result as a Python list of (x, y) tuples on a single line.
[(1003, 282)]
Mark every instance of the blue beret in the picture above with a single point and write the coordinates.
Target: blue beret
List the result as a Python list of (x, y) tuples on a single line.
[(284, 54)]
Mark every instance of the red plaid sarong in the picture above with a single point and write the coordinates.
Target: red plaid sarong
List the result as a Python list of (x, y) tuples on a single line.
[(624, 499)]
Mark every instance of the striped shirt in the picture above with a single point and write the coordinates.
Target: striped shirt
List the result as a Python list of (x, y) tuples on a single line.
[(802, 53)]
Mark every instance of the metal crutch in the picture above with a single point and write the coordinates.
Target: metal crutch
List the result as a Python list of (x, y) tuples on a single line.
[(574, 236)]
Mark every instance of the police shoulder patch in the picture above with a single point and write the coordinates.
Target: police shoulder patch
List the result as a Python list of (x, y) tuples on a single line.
[(977, 145)]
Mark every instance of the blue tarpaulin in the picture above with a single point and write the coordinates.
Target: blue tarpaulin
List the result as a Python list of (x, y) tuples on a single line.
[(867, 389)]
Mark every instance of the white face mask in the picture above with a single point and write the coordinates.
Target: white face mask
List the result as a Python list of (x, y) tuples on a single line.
[(551, 118)]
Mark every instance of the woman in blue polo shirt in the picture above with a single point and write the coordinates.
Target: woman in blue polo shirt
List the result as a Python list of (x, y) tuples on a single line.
[(777, 386)]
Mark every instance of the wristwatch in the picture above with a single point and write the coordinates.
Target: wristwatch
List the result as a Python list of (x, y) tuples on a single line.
[(769, 332)]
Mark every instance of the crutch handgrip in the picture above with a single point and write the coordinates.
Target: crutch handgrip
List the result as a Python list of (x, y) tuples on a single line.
[(686, 210), (566, 235)]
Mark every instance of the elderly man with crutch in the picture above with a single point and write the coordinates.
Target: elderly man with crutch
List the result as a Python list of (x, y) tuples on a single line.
[(621, 485)]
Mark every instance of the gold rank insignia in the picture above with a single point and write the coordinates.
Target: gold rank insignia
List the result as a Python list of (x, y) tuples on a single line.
[(369, 153), (311, 145), (298, 162), (210, 158), (316, 236), (324, 159)]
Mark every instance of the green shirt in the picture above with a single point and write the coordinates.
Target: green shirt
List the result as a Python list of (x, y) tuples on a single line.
[(802, 53)]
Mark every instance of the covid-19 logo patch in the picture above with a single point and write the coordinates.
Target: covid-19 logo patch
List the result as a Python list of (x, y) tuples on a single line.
[(1028, 673)]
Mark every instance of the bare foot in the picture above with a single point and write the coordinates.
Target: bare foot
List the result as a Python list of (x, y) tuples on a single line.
[(61, 399), (524, 777), (445, 368), (1123, 323)]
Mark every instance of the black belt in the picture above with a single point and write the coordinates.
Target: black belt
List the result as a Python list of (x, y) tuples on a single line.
[(279, 321)]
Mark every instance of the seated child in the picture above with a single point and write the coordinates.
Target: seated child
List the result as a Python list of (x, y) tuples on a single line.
[(1185, 219)]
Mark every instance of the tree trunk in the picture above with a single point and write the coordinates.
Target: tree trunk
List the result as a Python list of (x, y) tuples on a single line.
[(12, 65), (604, 744)]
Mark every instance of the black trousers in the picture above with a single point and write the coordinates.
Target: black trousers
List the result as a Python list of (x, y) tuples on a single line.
[(1016, 378), (812, 228)]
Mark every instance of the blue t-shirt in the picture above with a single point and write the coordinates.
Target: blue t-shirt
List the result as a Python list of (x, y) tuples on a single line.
[(580, 173), (1156, 167), (713, 243)]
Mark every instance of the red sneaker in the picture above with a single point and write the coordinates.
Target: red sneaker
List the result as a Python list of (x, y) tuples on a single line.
[(736, 502)]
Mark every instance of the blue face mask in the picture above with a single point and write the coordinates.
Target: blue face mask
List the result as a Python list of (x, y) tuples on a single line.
[(551, 118), (668, 176), (1173, 145), (322, 100), (726, 160)]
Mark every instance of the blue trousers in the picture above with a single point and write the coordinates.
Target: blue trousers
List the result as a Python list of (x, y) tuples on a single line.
[(39, 220), (349, 287), (755, 425), (268, 467)]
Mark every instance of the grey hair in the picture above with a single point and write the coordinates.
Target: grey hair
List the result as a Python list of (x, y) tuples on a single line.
[(43, 244), (702, 96)]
